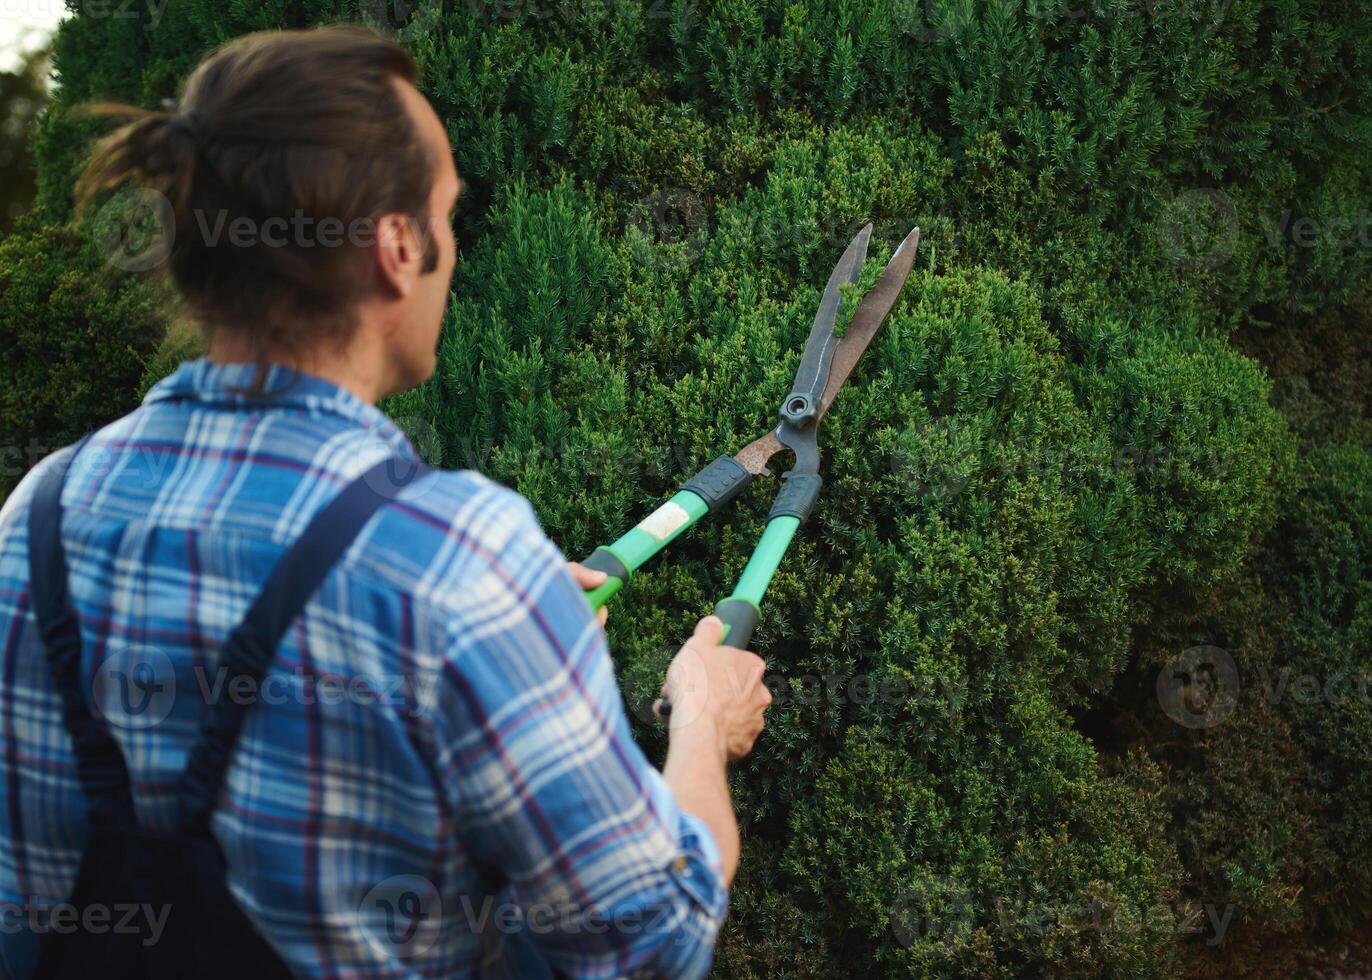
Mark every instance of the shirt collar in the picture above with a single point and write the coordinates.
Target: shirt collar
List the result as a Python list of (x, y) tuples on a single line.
[(203, 380)]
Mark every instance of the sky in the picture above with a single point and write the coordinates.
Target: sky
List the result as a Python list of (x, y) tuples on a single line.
[(25, 24)]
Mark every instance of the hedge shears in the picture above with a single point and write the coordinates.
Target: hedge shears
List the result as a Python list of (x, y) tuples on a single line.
[(824, 367)]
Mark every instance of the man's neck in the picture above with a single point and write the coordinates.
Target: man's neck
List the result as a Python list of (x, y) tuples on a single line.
[(352, 370)]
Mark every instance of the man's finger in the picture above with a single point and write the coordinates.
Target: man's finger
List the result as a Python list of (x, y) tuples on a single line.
[(710, 630), (587, 578)]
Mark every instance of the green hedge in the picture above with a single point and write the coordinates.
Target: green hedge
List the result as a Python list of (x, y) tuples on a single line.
[(73, 341), (1052, 472)]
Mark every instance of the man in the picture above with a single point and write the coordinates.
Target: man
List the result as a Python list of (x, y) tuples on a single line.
[(434, 774)]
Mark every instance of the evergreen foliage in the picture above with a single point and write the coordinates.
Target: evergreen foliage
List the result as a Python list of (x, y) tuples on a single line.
[(1053, 471)]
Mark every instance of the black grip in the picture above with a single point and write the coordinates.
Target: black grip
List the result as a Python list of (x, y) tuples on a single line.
[(604, 560), (719, 483), (797, 496), (740, 618)]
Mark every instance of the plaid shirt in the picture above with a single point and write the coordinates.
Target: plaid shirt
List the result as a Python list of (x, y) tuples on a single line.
[(437, 777)]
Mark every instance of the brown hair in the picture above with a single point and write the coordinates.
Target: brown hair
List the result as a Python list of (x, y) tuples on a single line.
[(292, 131)]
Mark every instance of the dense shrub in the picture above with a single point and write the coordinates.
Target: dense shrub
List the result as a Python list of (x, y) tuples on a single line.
[(1051, 473), (977, 556), (73, 340)]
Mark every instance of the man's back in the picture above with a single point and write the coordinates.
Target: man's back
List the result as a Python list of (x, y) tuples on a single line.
[(437, 750)]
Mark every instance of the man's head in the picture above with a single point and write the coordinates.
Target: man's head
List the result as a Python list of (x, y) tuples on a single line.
[(311, 191)]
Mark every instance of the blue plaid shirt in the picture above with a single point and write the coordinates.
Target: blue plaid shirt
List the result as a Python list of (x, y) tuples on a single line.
[(437, 776)]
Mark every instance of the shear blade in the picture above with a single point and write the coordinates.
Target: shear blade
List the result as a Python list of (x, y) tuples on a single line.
[(843, 354), (819, 347), (870, 315)]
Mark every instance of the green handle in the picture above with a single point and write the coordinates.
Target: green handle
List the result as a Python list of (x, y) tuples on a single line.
[(604, 592), (741, 611), (709, 490), (766, 557), (641, 542), (740, 618)]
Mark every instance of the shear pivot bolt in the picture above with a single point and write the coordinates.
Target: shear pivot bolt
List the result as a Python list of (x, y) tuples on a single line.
[(797, 409)]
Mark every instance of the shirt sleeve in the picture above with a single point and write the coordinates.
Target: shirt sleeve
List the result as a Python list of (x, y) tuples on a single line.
[(548, 787)]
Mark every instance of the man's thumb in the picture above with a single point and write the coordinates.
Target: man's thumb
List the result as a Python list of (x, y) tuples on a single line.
[(710, 630)]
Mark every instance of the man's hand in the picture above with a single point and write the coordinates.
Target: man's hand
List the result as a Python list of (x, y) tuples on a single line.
[(717, 693), (588, 579), (718, 700)]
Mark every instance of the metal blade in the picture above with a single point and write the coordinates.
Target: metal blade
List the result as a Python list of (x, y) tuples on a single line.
[(754, 456), (870, 315), (803, 401)]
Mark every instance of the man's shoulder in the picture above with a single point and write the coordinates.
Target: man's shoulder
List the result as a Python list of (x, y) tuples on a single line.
[(451, 528), (445, 499), (16, 505)]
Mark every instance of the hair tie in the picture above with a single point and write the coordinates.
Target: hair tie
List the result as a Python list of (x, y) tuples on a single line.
[(193, 123)]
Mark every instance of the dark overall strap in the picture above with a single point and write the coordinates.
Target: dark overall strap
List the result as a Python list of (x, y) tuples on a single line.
[(99, 763), (251, 647)]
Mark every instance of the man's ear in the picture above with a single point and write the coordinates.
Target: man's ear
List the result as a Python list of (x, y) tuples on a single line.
[(399, 254)]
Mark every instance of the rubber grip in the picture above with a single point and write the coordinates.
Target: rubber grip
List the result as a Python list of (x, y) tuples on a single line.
[(797, 496), (719, 483), (740, 618), (605, 560)]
